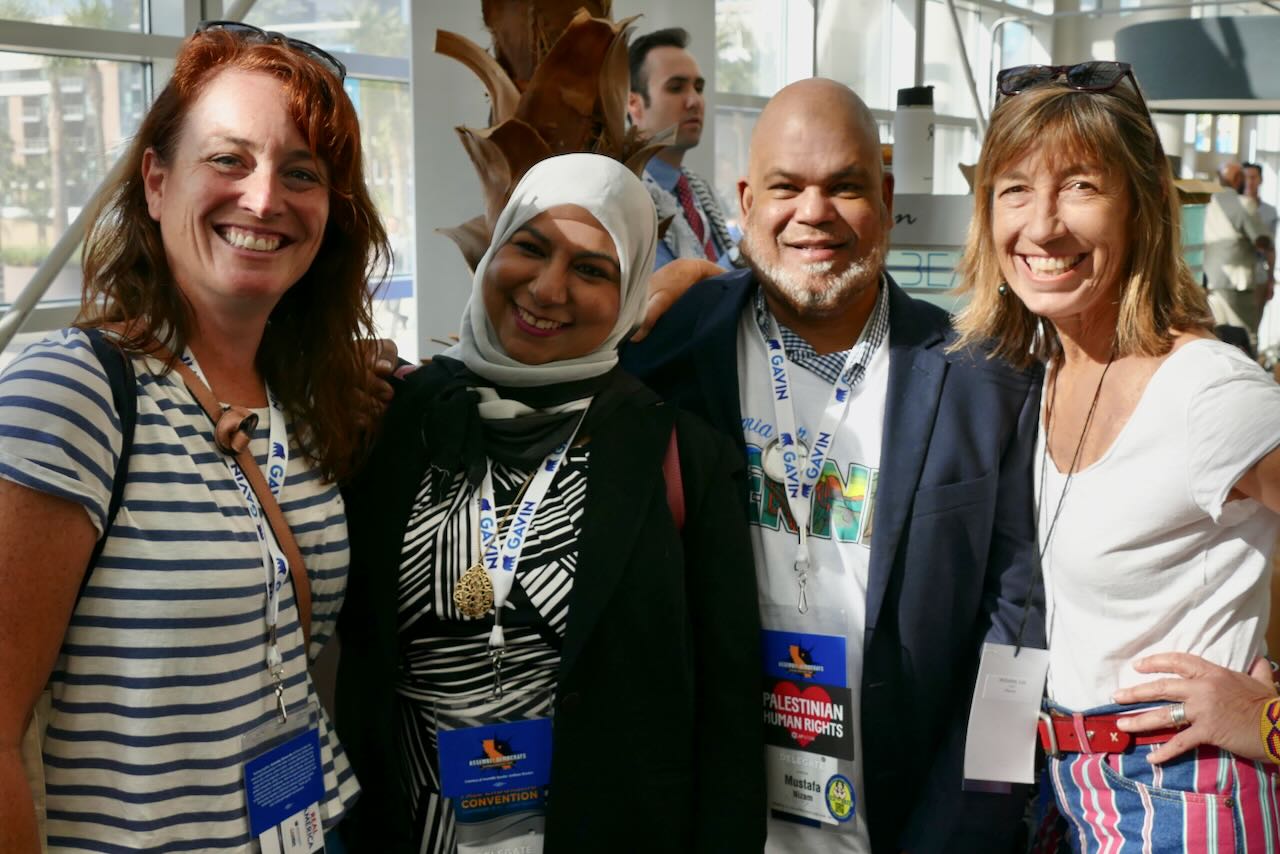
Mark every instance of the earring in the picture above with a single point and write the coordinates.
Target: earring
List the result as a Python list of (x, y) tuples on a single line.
[(1002, 289)]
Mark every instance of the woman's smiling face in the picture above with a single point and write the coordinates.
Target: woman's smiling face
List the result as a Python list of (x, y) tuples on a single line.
[(1061, 230), (552, 291), (243, 204)]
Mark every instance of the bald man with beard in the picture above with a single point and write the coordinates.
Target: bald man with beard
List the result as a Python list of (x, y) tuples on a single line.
[(888, 487)]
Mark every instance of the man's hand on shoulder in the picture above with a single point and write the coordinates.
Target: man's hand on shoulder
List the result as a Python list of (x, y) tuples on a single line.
[(380, 357), (668, 284)]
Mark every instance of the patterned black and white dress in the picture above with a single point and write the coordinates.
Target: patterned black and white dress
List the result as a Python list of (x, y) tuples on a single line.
[(443, 655)]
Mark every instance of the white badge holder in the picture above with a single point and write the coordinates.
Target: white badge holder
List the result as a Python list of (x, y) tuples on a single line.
[(1000, 745), (495, 769), (808, 717), (284, 781)]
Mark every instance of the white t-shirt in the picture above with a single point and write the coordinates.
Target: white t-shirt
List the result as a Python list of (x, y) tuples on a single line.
[(1147, 554), (839, 542)]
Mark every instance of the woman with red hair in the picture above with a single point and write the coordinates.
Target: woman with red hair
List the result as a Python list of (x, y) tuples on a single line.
[(165, 591)]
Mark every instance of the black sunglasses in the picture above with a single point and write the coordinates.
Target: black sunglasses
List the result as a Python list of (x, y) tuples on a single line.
[(1095, 76), (252, 33)]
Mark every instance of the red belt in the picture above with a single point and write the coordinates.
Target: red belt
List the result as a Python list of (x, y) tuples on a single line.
[(1099, 731)]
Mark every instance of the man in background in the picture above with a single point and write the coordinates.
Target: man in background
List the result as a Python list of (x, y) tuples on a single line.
[(1265, 271), (1234, 237), (666, 92)]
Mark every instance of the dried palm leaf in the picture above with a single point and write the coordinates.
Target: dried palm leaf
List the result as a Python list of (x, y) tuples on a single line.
[(560, 102), (521, 147), (503, 94), (472, 237), (638, 149), (492, 167), (615, 85), (559, 83), (524, 30)]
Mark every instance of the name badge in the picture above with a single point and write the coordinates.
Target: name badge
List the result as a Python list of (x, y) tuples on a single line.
[(1001, 742), (808, 718), (498, 776), (284, 784)]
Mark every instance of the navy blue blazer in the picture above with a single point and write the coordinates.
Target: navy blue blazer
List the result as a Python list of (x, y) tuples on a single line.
[(951, 557)]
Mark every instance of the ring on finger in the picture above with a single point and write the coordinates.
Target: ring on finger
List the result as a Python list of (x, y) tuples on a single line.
[(1178, 714)]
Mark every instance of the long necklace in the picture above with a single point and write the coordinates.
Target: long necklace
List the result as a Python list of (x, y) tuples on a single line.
[(1044, 470), (1075, 457), (473, 594)]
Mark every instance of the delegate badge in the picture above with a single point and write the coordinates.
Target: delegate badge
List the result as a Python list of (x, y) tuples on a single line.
[(498, 776), (808, 721), (284, 784)]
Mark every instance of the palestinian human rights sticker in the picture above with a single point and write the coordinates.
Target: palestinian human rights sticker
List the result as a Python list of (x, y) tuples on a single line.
[(839, 794)]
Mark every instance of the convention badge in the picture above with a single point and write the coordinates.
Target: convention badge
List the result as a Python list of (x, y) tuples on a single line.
[(496, 771), (1001, 743), (284, 782), (808, 718)]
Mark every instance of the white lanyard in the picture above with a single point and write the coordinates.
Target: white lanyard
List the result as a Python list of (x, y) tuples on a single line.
[(501, 558), (275, 564), (801, 474)]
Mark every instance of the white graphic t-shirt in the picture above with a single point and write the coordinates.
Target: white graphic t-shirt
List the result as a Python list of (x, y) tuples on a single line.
[(811, 707)]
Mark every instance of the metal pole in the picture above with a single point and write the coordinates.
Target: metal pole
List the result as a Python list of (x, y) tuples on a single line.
[(61, 252), (920, 42), (968, 71), (814, 64)]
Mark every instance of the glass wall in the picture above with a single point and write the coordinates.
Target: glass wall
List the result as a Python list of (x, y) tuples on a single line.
[(870, 45)]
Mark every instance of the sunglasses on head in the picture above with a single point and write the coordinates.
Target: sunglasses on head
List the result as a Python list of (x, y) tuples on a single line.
[(252, 33), (1096, 76)]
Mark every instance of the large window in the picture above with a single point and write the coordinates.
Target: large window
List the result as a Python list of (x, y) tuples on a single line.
[(870, 45), (762, 45), (65, 121)]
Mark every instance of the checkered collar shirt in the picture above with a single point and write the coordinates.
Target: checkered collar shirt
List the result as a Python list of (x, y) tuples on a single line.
[(799, 352)]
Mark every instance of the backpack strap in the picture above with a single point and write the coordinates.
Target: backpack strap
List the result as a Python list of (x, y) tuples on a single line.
[(675, 481), (124, 396)]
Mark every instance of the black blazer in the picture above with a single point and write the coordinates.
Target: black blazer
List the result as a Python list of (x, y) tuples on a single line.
[(657, 742), (951, 556)]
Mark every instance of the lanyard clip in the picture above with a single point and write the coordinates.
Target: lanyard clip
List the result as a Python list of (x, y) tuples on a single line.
[(802, 578), (284, 713), (275, 666), (495, 659)]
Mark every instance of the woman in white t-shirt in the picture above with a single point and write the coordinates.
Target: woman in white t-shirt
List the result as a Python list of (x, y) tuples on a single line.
[(1158, 479)]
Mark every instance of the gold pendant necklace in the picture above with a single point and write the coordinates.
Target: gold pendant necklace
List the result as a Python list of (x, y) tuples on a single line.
[(473, 593)]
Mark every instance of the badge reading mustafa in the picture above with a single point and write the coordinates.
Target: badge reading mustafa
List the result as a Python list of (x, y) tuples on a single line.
[(808, 718)]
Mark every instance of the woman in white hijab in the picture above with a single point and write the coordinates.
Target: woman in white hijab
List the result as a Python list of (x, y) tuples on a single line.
[(551, 625)]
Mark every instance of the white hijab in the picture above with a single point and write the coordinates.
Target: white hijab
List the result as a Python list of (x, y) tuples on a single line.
[(618, 199)]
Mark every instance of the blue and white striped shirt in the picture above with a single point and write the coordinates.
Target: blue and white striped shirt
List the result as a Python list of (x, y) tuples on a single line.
[(161, 673)]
